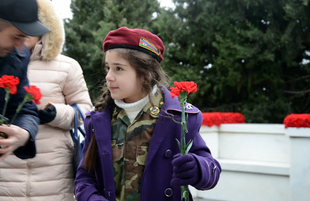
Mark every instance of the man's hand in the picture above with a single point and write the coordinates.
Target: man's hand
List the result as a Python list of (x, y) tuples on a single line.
[(17, 137)]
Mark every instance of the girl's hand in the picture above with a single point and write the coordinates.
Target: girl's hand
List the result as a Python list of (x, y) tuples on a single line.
[(185, 170)]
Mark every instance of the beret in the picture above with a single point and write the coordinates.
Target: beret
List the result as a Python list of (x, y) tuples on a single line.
[(136, 39)]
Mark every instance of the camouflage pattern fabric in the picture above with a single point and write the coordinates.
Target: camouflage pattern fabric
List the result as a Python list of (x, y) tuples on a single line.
[(130, 143)]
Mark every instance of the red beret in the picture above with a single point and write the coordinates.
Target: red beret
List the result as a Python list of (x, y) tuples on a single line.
[(136, 39)]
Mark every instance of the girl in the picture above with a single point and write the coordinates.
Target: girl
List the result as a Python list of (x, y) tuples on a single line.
[(131, 152)]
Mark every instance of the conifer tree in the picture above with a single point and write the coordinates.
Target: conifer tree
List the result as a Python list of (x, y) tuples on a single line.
[(246, 56)]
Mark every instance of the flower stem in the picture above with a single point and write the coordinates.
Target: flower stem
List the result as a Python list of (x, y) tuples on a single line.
[(184, 150), (183, 123), (184, 193), (7, 97), (20, 106)]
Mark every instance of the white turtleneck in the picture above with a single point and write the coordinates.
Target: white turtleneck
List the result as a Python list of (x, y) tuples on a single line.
[(132, 109)]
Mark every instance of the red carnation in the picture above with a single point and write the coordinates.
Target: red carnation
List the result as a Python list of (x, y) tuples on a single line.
[(9, 81), (188, 86), (35, 93)]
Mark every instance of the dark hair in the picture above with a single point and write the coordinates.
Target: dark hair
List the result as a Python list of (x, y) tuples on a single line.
[(148, 70)]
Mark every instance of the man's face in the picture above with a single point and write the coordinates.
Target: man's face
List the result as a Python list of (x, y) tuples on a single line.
[(11, 38)]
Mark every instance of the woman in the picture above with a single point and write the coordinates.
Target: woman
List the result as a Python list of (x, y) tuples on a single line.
[(49, 176)]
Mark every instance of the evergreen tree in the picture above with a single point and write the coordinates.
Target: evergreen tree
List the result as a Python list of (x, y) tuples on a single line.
[(246, 56)]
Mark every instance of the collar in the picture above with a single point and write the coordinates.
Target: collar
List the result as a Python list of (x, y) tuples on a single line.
[(170, 104), (20, 53), (173, 104), (158, 102)]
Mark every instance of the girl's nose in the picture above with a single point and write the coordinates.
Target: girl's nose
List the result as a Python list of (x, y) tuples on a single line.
[(109, 76)]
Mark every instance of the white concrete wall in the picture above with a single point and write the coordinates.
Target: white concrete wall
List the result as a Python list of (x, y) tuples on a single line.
[(259, 162)]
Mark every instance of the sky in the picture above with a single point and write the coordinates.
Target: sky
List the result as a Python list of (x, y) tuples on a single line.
[(63, 7)]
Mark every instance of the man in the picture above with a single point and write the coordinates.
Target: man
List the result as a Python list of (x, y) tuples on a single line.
[(18, 19)]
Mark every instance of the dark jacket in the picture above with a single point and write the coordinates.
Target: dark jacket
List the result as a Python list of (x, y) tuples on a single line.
[(16, 64), (158, 169)]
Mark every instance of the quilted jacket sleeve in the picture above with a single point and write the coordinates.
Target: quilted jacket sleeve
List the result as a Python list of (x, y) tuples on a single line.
[(74, 91)]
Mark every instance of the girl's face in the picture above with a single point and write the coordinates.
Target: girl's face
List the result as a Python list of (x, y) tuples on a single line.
[(122, 78)]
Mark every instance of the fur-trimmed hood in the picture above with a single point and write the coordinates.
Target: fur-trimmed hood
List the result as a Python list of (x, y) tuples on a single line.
[(51, 43)]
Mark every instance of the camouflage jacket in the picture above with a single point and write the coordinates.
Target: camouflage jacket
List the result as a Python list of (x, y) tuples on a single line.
[(157, 174), (130, 144)]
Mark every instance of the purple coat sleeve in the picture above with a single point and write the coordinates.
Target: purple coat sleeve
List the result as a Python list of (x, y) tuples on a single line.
[(209, 168), (86, 187)]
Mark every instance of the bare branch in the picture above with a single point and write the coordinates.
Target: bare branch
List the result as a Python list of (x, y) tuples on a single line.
[(297, 92), (299, 78)]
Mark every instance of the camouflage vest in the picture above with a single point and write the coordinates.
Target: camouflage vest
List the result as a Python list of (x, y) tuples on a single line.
[(130, 143)]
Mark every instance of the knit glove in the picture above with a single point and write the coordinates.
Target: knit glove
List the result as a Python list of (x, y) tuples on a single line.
[(47, 115), (185, 170)]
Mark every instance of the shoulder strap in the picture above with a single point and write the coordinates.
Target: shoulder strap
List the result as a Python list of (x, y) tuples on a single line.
[(77, 111)]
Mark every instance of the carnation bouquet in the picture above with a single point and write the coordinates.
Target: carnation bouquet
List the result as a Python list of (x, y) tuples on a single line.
[(9, 84)]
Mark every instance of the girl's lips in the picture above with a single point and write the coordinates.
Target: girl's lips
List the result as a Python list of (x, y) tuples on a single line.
[(112, 88)]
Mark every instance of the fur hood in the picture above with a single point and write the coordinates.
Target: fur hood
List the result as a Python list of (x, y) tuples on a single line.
[(51, 43)]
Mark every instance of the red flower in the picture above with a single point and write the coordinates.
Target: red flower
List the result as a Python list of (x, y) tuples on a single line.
[(9, 81), (35, 92), (297, 120), (188, 86)]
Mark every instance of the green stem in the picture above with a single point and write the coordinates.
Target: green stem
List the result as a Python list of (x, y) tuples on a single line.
[(182, 99), (7, 97), (20, 106), (184, 193), (183, 123)]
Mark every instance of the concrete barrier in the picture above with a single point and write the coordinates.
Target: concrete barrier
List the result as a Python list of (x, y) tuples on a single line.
[(259, 162)]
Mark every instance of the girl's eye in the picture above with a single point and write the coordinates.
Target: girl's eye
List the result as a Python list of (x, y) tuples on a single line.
[(119, 69), (107, 68)]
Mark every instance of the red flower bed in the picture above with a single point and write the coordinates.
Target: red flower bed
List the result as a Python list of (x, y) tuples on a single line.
[(297, 120), (218, 118)]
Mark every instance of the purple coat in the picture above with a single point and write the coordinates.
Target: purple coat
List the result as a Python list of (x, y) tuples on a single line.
[(158, 169)]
